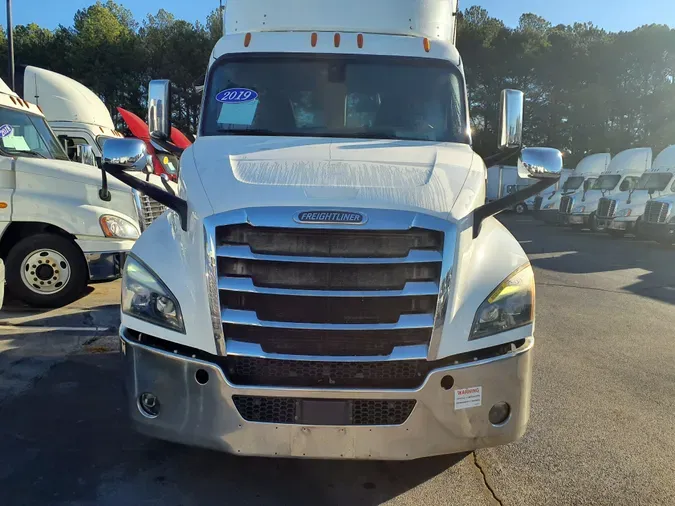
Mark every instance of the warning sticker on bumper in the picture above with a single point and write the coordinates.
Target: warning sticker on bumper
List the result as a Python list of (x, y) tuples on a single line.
[(468, 397)]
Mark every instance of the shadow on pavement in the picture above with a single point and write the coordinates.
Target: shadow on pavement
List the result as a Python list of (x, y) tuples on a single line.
[(570, 251), (68, 441)]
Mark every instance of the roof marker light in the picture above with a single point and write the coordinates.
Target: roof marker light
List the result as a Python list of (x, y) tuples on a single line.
[(315, 38), (247, 39), (427, 45), (336, 40), (12, 99), (359, 40)]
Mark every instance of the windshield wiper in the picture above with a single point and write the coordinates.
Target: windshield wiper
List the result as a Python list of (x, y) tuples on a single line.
[(25, 152)]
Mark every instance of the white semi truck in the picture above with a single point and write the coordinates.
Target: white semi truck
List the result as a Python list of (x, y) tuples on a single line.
[(621, 176), (60, 227), (332, 283), (624, 214), (581, 179), (80, 118)]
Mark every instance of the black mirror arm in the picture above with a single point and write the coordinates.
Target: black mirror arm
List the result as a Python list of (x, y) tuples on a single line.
[(497, 206), (501, 157), (104, 193), (171, 201), (165, 145)]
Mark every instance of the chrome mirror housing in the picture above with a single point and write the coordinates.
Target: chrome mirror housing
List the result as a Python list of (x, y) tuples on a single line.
[(511, 119), (84, 153), (540, 163), (159, 109), (130, 154)]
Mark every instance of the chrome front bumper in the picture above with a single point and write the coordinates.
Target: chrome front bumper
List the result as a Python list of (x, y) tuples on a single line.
[(205, 414)]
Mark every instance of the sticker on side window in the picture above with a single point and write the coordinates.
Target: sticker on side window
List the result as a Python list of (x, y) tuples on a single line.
[(5, 130), (236, 96)]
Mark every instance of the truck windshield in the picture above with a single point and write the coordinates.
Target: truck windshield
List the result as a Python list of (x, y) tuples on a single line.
[(573, 183), (24, 134), (606, 182), (373, 97), (654, 181)]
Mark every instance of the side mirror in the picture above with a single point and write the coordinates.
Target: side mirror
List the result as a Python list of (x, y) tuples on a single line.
[(587, 185), (159, 109), (121, 156), (128, 154), (540, 163), (511, 119), (85, 154)]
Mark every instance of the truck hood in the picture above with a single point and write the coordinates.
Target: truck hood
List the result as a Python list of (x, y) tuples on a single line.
[(68, 171), (239, 172), (638, 200)]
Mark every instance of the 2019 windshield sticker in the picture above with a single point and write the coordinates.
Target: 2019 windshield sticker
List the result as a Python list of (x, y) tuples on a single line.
[(5, 131), (236, 96)]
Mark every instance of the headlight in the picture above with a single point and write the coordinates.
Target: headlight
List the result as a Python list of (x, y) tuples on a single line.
[(509, 306), (118, 228), (579, 209), (623, 213), (145, 297)]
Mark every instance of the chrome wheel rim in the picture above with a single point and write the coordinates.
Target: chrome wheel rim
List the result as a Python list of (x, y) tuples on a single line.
[(45, 271)]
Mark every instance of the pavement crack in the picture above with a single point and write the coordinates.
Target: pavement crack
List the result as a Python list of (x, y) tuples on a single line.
[(485, 480)]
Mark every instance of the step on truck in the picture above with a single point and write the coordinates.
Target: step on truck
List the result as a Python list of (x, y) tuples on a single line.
[(60, 227), (332, 283), (80, 118), (622, 175), (625, 214), (579, 181)]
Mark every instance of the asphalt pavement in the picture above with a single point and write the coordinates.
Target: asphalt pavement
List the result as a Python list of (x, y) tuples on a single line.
[(601, 429)]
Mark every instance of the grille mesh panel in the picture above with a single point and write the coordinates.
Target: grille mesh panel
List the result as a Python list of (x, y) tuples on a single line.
[(284, 410)]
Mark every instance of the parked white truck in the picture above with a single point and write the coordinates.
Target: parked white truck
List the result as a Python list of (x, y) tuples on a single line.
[(502, 180), (621, 176), (332, 283), (624, 214), (59, 227), (658, 220), (581, 179), (80, 118)]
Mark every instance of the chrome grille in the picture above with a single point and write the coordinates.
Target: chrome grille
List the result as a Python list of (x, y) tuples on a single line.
[(289, 410), (606, 208), (566, 204), (150, 210), (656, 212), (328, 292)]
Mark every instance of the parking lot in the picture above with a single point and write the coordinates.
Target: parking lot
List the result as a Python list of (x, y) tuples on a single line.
[(601, 429)]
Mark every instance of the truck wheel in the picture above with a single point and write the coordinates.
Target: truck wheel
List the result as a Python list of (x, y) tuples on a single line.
[(616, 234), (521, 208), (46, 270)]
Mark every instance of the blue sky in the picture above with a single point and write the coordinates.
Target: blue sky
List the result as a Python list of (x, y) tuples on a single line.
[(612, 15)]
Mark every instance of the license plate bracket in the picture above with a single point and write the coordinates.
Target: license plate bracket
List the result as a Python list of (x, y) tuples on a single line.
[(324, 412)]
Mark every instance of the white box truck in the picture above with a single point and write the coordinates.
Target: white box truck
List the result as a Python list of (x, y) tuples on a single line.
[(582, 178), (332, 283), (621, 176), (59, 227), (623, 214), (502, 180), (80, 118)]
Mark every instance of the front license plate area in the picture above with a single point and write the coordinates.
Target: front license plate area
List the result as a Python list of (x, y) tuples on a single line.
[(324, 412)]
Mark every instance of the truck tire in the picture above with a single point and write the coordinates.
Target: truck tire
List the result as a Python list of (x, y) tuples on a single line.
[(616, 234), (521, 208), (46, 271)]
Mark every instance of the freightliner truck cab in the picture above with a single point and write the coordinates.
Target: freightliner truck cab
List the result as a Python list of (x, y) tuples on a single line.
[(332, 283)]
